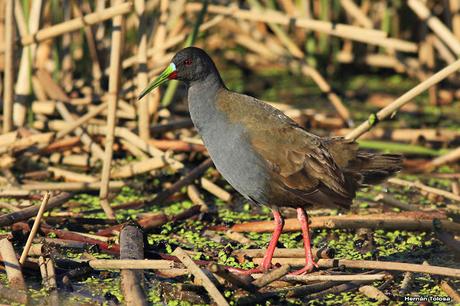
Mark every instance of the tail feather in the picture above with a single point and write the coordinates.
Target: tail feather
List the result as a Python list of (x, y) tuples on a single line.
[(375, 168)]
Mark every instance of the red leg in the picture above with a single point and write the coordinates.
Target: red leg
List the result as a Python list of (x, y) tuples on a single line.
[(309, 262), (267, 260)]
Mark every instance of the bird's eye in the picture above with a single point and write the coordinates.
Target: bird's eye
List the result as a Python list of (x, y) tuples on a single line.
[(188, 62)]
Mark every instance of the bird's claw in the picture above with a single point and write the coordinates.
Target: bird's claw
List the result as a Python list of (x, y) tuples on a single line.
[(308, 268)]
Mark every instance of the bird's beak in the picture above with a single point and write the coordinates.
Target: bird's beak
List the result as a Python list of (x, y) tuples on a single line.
[(169, 73)]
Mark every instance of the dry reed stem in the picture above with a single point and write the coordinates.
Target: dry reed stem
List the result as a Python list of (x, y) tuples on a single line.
[(35, 227), (71, 176), (199, 274), (373, 37), (435, 25), (48, 272), (388, 265), (96, 150), (447, 288), (132, 264), (8, 82), (138, 167), (26, 213), (271, 276), (195, 197), (326, 253), (373, 293), (12, 266), (426, 188), (146, 147), (114, 87), (142, 76), (330, 278), (447, 158), (352, 9), (96, 66), (443, 51), (215, 190), (82, 120), (77, 23), (391, 222), (71, 186), (23, 88), (402, 100)]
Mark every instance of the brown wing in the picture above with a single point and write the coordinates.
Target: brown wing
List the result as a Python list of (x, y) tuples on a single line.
[(298, 159)]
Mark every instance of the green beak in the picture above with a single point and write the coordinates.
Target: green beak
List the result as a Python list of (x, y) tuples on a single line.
[(168, 74)]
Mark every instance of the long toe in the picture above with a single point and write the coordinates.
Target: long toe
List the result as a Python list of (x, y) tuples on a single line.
[(307, 269)]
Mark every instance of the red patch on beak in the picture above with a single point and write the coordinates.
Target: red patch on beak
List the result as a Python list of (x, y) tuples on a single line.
[(173, 75)]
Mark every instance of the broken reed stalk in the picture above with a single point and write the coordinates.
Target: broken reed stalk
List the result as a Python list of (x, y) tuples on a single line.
[(186, 180), (199, 274), (232, 278), (22, 88), (388, 266), (72, 186), (447, 158), (329, 278), (26, 213), (130, 264), (82, 120), (35, 227), (352, 9), (8, 82), (435, 25), (48, 272), (437, 191), (77, 23), (114, 87), (271, 276), (369, 36), (96, 150), (142, 76), (447, 288), (132, 281), (404, 99), (388, 222), (12, 266)]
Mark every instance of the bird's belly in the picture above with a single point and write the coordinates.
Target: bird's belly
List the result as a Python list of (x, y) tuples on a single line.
[(237, 162)]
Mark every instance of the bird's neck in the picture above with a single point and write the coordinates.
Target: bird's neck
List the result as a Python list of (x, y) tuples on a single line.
[(202, 97)]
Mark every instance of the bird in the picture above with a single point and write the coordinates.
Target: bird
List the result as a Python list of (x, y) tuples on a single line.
[(266, 156)]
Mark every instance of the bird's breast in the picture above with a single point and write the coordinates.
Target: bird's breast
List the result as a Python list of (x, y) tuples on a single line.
[(230, 149)]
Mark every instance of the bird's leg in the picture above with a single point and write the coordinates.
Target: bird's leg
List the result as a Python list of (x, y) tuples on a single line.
[(279, 224), (267, 260), (309, 262)]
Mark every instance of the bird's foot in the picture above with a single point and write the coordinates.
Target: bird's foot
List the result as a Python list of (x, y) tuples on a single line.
[(308, 268)]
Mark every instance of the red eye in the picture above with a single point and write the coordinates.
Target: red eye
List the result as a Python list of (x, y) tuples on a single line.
[(188, 62)]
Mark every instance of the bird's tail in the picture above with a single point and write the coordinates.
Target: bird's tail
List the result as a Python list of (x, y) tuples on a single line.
[(370, 168)]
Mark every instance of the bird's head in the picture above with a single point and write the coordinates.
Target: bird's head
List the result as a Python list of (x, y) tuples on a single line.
[(188, 65)]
